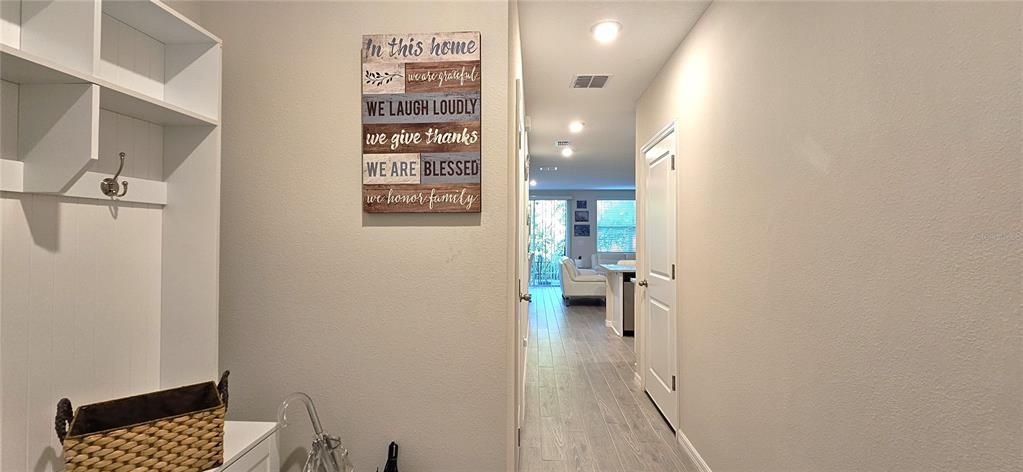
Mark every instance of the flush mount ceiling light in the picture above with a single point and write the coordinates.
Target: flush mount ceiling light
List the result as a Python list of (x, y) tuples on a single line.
[(532, 183), (606, 31), (576, 127), (567, 152)]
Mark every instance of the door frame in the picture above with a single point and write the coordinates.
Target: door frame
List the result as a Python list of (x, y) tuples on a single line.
[(643, 267), (568, 219), (519, 255)]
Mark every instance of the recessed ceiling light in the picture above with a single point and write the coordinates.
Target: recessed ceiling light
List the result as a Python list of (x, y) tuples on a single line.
[(606, 31), (576, 126), (566, 152), (532, 183)]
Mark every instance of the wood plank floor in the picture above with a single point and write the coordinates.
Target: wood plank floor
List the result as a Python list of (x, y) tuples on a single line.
[(584, 408)]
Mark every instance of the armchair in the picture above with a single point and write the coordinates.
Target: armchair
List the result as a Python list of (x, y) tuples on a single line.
[(579, 283)]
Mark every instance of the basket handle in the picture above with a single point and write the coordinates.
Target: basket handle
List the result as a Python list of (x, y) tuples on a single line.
[(222, 387), (63, 419)]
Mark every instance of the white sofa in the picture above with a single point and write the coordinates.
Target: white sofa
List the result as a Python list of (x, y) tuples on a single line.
[(599, 258), (580, 283)]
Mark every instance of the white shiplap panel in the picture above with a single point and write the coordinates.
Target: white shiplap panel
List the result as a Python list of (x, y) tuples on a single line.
[(14, 309), (150, 56), (107, 67), (126, 141), (131, 58), (80, 298), (66, 308), (125, 59), (107, 162), (141, 141), (60, 31), (86, 266), (151, 273), (155, 152), (8, 120), (191, 222), (42, 221)]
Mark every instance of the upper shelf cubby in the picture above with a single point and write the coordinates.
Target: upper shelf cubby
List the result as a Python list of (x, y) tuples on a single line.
[(158, 21), (149, 49), (64, 64), (64, 32), (20, 67), (149, 61)]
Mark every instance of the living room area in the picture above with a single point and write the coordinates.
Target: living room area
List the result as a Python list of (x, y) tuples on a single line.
[(574, 234)]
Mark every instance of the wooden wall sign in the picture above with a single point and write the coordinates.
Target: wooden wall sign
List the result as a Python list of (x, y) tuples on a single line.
[(421, 123)]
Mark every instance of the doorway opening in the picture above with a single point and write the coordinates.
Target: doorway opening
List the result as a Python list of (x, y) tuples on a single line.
[(599, 384), (548, 240)]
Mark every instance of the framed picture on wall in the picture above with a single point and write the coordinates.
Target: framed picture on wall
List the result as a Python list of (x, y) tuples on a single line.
[(582, 217), (580, 204), (582, 231), (422, 134)]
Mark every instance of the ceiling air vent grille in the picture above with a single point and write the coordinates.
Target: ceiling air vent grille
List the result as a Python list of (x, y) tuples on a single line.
[(562, 143), (590, 81)]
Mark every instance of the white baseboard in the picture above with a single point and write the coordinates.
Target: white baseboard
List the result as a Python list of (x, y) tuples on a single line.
[(608, 323), (694, 456)]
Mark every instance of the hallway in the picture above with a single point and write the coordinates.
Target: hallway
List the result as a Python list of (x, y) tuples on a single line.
[(584, 408)]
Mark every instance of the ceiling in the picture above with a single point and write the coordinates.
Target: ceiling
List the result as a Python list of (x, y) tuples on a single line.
[(557, 45)]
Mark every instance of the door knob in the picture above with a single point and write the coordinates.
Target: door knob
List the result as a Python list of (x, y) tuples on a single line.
[(526, 297), (643, 283)]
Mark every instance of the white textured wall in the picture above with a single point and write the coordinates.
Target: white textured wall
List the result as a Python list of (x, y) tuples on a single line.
[(398, 325), (851, 259)]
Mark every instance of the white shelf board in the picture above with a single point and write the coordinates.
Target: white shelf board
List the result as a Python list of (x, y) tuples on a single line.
[(12, 175), (241, 436), (139, 190), (24, 68), (159, 21), (121, 100), (87, 186)]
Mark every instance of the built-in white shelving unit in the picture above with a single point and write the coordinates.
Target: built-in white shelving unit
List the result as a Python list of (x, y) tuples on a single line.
[(103, 297), (66, 61)]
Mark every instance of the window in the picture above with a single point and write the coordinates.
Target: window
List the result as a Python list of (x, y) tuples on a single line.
[(616, 226)]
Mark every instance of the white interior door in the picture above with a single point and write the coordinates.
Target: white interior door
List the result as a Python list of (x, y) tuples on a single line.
[(522, 265), (659, 202)]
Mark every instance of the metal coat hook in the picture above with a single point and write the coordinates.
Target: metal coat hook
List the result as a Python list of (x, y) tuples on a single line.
[(109, 185)]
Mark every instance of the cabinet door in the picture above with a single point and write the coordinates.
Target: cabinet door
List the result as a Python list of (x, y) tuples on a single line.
[(261, 458)]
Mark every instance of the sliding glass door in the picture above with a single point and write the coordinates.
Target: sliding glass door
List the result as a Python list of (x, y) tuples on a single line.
[(548, 240)]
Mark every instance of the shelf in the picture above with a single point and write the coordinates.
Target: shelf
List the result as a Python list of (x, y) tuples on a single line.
[(158, 21), (24, 68), (87, 186), (119, 99), (57, 118)]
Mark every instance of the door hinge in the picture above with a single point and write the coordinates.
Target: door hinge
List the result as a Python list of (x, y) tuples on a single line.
[(673, 272), (672, 162), (518, 439), (672, 383)]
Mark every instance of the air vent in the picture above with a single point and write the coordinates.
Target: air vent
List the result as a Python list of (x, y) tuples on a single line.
[(562, 143), (590, 81)]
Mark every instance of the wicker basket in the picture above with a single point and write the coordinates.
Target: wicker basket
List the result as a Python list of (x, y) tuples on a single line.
[(176, 430)]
